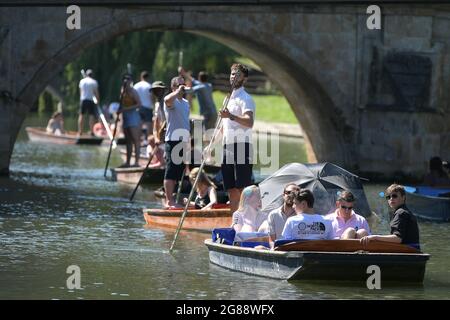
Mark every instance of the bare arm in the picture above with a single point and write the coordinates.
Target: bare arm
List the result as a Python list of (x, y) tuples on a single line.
[(97, 95), (245, 120), (212, 198), (170, 98), (386, 238), (136, 97)]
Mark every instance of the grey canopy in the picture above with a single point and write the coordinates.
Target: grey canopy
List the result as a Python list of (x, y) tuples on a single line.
[(325, 180)]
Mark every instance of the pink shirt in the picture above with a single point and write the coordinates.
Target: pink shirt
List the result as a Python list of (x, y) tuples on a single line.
[(340, 225)]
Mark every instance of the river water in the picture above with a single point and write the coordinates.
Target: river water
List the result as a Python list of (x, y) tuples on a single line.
[(57, 210)]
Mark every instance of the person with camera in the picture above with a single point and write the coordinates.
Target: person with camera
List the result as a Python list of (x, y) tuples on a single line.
[(177, 138)]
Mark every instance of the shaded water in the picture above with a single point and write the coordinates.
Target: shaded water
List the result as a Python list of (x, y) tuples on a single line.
[(57, 210)]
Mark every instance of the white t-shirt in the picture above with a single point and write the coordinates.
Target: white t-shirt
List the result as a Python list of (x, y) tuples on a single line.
[(308, 227), (249, 223), (87, 88), (143, 90), (240, 102)]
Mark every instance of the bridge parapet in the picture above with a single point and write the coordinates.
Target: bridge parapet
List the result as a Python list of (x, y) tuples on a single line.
[(370, 100)]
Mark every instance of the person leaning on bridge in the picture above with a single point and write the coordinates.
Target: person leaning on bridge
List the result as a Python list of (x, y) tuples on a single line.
[(176, 110), (88, 90), (404, 227), (346, 223), (238, 120)]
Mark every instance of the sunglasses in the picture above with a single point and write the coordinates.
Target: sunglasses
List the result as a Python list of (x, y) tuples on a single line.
[(347, 208), (288, 192), (392, 196)]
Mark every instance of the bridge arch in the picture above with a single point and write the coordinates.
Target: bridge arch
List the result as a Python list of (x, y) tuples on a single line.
[(309, 100)]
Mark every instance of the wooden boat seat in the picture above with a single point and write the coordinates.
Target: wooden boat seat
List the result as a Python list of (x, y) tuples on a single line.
[(351, 245)]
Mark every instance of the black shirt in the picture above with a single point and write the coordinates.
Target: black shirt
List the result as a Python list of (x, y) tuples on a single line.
[(404, 225), (202, 202)]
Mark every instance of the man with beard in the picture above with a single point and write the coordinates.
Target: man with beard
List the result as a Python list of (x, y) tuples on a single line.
[(238, 118), (278, 217)]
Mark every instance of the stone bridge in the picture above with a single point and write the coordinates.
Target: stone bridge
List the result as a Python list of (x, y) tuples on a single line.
[(376, 102)]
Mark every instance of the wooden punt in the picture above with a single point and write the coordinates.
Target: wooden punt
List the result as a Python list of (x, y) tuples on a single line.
[(143, 160), (132, 175), (338, 260), (37, 134), (196, 220), (222, 196), (429, 203)]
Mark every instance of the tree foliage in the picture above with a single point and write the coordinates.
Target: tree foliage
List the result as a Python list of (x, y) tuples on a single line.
[(156, 52)]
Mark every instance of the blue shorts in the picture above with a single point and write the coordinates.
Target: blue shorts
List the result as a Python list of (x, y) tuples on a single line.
[(131, 118), (146, 114)]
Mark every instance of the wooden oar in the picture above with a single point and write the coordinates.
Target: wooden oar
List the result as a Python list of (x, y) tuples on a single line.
[(143, 172), (208, 148)]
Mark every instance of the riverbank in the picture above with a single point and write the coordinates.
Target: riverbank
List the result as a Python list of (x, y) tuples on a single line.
[(283, 129)]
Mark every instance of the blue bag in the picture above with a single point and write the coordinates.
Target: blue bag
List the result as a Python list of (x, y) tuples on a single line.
[(223, 235)]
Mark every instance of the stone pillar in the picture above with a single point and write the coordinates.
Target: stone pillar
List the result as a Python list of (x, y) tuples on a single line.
[(5, 134)]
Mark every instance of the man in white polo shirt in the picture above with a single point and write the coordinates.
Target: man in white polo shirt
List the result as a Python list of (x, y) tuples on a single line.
[(88, 90), (238, 118), (143, 88)]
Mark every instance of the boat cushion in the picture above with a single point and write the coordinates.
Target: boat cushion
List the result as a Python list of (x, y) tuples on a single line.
[(252, 244), (243, 236), (223, 235)]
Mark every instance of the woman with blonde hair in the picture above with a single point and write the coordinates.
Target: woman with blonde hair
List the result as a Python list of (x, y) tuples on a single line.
[(206, 191), (249, 217)]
